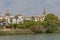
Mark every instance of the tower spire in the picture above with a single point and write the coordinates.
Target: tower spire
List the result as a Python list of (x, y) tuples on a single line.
[(7, 12), (44, 12)]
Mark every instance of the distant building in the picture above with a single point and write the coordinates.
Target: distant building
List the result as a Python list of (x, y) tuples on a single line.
[(39, 18), (35, 18), (27, 18), (44, 14), (2, 19), (18, 20), (7, 18)]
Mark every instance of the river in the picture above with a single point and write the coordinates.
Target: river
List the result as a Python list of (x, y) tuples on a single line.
[(32, 37)]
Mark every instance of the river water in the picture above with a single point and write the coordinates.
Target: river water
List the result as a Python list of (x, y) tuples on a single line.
[(32, 37)]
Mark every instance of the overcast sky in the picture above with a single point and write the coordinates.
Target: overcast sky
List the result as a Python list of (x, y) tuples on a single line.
[(30, 7)]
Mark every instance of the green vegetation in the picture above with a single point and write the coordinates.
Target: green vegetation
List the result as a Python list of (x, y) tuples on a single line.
[(51, 24), (26, 24), (38, 27)]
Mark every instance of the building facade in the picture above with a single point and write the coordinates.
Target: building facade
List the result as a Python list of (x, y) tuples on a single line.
[(40, 18), (8, 19)]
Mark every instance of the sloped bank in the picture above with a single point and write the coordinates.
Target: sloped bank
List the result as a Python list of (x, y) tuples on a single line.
[(15, 31)]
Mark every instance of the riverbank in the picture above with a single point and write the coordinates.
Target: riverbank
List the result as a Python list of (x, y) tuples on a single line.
[(15, 31)]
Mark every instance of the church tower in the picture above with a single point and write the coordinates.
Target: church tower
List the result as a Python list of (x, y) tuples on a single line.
[(7, 17), (44, 12), (7, 13)]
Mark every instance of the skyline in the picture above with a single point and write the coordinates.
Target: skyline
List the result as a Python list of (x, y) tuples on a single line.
[(30, 7)]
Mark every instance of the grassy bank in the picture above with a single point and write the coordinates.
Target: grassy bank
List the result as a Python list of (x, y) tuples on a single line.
[(15, 31), (19, 32)]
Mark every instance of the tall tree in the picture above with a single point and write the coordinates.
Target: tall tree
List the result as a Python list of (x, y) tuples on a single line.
[(51, 22)]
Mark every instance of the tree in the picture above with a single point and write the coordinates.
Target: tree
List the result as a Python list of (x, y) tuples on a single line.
[(51, 23), (38, 27), (26, 24), (33, 18)]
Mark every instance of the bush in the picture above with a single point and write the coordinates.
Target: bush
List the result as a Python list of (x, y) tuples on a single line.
[(38, 27), (26, 24), (12, 25), (51, 23), (21, 25)]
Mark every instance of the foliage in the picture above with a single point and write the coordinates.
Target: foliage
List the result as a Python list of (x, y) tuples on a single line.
[(38, 27), (33, 18), (51, 23), (26, 24), (11, 25)]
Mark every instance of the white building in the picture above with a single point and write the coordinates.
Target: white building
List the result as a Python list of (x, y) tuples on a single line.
[(36, 18), (27, 18), (39, 18), (19, 20), (6, 18)]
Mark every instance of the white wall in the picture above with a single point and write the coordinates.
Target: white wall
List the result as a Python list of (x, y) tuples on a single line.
[(14, 21)]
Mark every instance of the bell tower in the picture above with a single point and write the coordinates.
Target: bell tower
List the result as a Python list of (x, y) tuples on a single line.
[(7, 13), (44, 12)]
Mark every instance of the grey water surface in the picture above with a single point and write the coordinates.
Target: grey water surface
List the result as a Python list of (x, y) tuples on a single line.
[(32, 37)]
